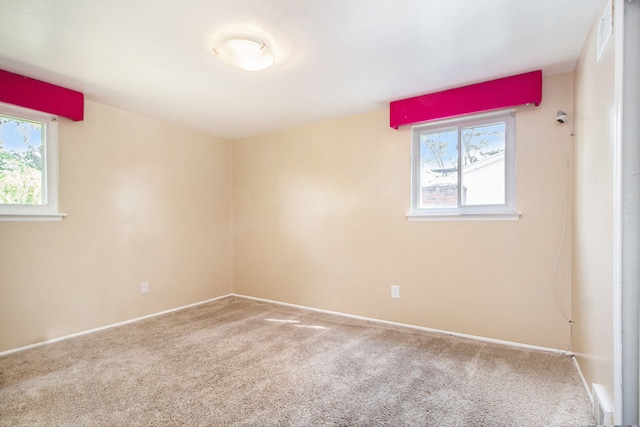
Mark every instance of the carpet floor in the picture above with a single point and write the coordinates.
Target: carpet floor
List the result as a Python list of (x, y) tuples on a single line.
[(239, 362)]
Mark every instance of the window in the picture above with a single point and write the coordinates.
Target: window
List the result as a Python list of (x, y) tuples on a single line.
[(464, 168), (28, 165)]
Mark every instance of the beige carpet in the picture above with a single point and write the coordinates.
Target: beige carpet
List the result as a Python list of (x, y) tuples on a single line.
[(238, 362)]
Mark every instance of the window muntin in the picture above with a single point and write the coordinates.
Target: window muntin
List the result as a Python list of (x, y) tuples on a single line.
[(28, 164), (476, 152)]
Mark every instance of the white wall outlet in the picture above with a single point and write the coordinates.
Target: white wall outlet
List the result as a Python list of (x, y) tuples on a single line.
[(144, 287), (395, 291)]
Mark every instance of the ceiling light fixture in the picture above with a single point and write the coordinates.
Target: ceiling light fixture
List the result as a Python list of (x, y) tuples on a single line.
[(244, 54)]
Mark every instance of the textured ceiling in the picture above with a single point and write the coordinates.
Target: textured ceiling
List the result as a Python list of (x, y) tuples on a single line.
[(333, 57)]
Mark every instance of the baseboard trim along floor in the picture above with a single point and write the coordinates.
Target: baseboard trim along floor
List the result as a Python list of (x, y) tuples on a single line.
[(102, 328), (406, 325), (371, 319), (584, 381)]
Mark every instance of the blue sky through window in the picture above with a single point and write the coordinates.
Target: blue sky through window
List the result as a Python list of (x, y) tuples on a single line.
[(19, 135), (439, 150)]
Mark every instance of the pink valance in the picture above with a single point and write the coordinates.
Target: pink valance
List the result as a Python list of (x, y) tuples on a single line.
[(41, 96), (492, 95)]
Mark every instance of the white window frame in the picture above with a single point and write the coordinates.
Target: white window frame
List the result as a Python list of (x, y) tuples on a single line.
[(506, 211), (47, 211)]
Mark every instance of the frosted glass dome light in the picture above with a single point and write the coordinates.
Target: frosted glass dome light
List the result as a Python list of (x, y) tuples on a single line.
[(244, 54)]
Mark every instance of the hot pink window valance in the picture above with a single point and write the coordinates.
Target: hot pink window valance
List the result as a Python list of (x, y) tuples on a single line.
[(41, 96), (491, 95)]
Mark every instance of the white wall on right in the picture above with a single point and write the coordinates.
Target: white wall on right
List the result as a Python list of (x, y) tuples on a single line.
[(593, 198)]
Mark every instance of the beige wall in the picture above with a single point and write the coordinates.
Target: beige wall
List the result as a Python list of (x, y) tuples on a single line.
[(146, 201), (319, 220), (593, 214)]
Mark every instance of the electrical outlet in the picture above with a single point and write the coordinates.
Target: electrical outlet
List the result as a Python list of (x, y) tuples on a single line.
[(395, 291), (144, 287)]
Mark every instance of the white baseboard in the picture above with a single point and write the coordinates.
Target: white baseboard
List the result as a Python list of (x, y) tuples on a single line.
[(584, 382), (102, 328), (353, 316), (405, 325)]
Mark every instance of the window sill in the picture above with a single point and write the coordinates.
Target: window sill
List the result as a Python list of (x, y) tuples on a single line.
[(32, 217), (496, 216)]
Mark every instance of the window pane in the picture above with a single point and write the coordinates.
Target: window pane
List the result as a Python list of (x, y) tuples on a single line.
[(439, 169), (483, 164), (21, 161)]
